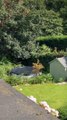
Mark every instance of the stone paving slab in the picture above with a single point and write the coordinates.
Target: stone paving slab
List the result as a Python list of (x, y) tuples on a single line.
[(15, 106)]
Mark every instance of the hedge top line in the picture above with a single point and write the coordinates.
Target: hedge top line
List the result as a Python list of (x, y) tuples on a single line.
[(43, 38)]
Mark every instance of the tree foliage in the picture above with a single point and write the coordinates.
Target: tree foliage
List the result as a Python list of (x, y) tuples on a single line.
[(59, 6), (22, 21)]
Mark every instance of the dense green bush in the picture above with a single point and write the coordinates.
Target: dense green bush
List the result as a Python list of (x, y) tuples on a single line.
[(14, 80), (19, 26), (19, 79), (44, 78), (63, 113), (5, 68), (54, 41), (43, 50)]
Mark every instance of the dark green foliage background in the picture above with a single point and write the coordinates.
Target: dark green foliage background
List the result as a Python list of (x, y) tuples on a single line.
[(22, 22), (54, 41)]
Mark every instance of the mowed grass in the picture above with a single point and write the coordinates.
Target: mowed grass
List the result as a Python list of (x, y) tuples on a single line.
[(55, 95)]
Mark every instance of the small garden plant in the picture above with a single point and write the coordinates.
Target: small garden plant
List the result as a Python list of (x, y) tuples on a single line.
[(37, 67)]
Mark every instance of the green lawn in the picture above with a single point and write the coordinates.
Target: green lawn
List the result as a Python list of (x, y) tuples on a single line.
[(55, 95)]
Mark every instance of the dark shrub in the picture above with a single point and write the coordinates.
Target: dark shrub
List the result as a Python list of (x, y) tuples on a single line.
[(54, 41)]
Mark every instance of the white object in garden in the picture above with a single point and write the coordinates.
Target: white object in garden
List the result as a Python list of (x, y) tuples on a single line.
[(45, 105), (33, 99), (49, 109), (62, 83), (55, 112)]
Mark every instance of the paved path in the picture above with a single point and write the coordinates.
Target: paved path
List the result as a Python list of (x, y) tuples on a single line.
[(15, 106)]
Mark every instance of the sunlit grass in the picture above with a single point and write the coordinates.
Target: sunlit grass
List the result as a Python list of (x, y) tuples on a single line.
[(55, 95)]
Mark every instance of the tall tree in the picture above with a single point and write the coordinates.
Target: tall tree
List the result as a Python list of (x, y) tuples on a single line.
[(20, 25), (61, 7)]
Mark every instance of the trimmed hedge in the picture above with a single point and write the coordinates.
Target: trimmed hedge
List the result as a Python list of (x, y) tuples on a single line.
[(54, 41)]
